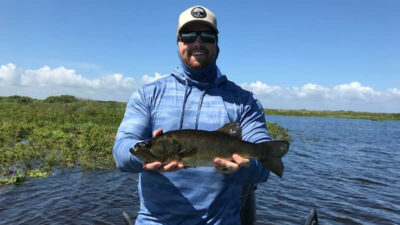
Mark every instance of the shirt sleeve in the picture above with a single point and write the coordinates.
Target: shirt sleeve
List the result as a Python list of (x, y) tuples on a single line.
[(254, 129), (135, 127)]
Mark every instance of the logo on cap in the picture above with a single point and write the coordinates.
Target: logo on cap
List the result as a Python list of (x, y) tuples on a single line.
[(199, 12)]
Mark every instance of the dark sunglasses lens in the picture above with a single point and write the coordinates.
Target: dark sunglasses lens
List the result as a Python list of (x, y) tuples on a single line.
[(208, 37), (188, 37)]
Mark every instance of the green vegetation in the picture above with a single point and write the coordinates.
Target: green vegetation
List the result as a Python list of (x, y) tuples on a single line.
[(38, 136), (335, 114), (278, 132)]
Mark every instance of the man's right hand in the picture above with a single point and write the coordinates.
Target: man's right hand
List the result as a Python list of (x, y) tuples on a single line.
[(158, 166)]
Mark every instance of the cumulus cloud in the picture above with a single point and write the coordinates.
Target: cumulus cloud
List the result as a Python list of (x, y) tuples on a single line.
[(45, 81), (353, 96), (9, 75), (394, 92), (148, 79)]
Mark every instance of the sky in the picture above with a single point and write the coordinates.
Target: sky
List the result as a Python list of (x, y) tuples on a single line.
[(293, 54)]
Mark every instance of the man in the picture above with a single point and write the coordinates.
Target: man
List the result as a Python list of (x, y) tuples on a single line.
[(195, 96)]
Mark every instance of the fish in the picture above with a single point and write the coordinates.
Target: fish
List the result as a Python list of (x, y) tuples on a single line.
[(195, 148)]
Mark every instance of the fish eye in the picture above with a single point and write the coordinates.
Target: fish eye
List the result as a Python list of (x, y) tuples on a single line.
[(144, 144)]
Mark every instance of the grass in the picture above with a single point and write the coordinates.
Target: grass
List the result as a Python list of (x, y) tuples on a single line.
[(38, 136)]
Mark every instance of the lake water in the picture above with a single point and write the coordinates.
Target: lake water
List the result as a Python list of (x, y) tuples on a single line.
[(349, 169)]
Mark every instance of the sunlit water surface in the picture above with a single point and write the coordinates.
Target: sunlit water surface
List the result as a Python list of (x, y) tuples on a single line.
[(348, 169)]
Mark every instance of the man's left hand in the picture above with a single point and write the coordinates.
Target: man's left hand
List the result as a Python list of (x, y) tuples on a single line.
[(231, 166)]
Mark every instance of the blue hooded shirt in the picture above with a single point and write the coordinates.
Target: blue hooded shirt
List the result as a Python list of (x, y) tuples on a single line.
[(188, 99)]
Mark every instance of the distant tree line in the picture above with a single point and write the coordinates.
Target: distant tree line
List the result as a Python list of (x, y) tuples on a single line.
[(334, 114)]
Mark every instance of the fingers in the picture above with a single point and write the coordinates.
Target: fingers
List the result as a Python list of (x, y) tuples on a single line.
[(157, 132), (158, 166), (172, 166), (241, 161), (152, 166), (226, 166)]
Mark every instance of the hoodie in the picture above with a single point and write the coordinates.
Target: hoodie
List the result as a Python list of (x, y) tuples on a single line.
[(186, 99)]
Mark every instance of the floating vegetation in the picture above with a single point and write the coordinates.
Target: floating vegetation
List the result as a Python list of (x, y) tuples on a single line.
[(278, 132), (37, 136)]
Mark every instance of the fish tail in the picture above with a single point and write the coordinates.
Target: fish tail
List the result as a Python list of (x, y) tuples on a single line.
[(272, 152)]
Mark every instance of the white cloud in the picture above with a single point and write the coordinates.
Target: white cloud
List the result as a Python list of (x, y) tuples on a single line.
[(148, 79), (59, 76), (353, 96), (45, 81), (9, 74), (394, 92), (355, 91)]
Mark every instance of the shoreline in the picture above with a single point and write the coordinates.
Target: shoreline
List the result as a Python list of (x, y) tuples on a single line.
[(334, 114)]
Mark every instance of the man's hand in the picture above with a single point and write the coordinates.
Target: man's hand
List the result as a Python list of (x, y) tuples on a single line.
[(158, 166), (227, 166)]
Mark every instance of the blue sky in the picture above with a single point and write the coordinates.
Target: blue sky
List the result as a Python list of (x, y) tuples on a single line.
[(314, 51)]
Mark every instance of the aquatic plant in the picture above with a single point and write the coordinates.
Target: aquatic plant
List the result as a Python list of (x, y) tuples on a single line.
[(37, 136), (278, 132)]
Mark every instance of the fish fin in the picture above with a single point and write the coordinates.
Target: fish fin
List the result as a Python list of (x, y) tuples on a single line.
[(272, 158), (232, 129)]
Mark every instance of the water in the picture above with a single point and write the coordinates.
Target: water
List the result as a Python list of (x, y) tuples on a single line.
[(349, 169)]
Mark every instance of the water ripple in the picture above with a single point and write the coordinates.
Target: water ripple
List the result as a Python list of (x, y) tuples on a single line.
[(346, 168)]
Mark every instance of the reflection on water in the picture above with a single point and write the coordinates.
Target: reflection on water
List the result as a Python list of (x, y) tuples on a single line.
[(346, 168)]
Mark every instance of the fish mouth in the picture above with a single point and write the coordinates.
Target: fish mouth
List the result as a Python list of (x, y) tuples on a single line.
[(144, 155)]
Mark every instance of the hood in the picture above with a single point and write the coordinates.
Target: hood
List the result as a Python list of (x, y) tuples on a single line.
[(203, 78)]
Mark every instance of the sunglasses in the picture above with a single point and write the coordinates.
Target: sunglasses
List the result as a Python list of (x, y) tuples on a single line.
[(189, 37)]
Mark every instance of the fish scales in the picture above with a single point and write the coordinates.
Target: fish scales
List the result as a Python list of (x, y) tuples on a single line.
[(200, 148)]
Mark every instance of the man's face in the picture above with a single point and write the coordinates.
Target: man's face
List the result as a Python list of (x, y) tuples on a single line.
[(197, 55)]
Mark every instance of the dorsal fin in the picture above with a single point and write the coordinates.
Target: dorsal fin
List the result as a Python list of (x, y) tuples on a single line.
[(232, 129)]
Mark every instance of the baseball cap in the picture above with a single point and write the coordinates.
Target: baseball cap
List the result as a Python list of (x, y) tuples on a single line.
[(197, 13)]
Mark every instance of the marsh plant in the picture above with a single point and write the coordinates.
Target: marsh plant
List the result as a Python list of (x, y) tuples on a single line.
[(60, 132)]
